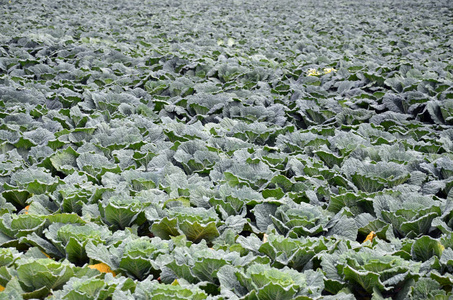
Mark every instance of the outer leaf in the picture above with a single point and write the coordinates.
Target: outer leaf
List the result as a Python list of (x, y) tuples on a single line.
[(196, 232), (426, 247), (43, 244), (100, 253), (44, 273), (367, 184), (75, 252), (18, 198), (367, 280), (206, 270), (139, 267), (13, 290), (274, 291), (263, 213), (121, 217), (166, 228)]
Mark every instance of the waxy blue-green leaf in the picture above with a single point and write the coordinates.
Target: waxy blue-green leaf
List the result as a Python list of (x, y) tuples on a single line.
[(279, 135)]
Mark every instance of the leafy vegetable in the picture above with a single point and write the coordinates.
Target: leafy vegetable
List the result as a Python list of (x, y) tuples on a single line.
[(226, 150), (264, 282), (134, 257)]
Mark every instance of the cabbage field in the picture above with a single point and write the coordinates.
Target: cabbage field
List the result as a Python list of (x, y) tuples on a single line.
[(226, 149)]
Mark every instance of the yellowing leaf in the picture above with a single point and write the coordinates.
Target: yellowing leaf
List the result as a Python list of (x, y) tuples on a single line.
[(45, 254), (1, 288), (370, 236), (103, 268), (328, 70), (313, 72), (175, 282)]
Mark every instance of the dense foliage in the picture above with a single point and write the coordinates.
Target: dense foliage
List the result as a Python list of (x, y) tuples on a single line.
[(228, 149)]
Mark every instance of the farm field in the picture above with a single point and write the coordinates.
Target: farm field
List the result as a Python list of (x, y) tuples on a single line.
[(233, 149)]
